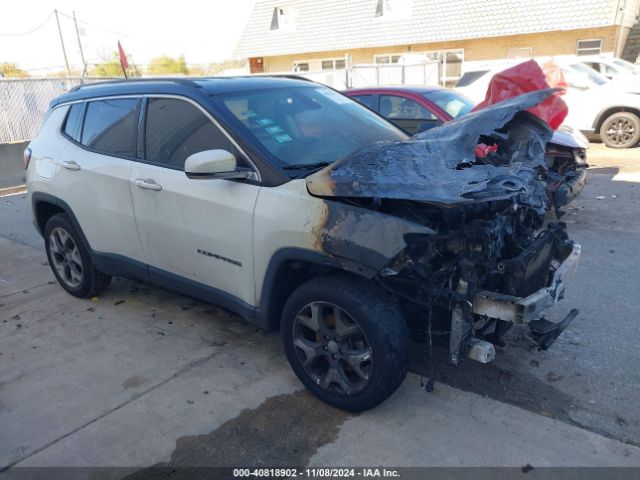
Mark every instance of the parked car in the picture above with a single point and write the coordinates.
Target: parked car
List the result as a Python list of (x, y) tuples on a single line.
[(612, 67), (301, 210), (416, 109), (596, 105)]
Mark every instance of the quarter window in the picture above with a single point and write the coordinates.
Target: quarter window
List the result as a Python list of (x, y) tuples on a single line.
[(73, 123), (110, 126), (176, 129)]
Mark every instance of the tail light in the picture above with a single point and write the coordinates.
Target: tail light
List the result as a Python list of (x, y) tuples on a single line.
[(26, 158)]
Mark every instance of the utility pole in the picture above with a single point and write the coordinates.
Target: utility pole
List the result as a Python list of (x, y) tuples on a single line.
[(84, 63), (64, 51)]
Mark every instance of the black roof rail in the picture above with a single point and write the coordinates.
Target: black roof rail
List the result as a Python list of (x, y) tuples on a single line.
[(292, 77), (185, 81), (182, 81)]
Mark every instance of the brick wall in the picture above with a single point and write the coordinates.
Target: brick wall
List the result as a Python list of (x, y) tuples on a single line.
[(542, 44)]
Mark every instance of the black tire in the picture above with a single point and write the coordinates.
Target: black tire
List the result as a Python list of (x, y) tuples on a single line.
[(377, 315), (620, 130), (90, 281)]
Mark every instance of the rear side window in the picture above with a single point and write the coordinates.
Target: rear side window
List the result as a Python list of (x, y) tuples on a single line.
[(73, 123), (110, 126), (176, 129)]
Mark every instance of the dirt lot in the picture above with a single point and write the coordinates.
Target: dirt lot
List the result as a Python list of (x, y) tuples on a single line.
[(141, 376)]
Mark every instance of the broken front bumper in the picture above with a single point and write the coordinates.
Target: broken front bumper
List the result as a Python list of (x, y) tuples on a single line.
[(525, 309), (570, 189)]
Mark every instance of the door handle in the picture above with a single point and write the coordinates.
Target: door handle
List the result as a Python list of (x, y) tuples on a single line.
[(148, 184), (70, 165)]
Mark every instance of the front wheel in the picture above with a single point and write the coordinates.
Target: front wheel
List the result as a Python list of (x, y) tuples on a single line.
[(621, 130), (346, 340)]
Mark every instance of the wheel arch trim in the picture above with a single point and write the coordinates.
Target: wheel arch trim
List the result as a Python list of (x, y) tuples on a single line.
[(38, 198), (279, 263), (608, 111)]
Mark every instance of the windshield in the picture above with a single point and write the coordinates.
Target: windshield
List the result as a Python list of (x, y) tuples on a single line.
[(590, 74), (305, 127), (629, 67), (451, 102), (470, 77)]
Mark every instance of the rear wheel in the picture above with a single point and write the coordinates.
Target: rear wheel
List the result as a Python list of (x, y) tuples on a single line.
[(621, 130), (70, 260), (346, 340)]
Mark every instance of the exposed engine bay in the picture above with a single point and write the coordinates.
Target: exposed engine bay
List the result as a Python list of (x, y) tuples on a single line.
[(473, 201)]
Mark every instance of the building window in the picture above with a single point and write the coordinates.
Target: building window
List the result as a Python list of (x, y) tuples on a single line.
[(332, 64), (520, 52), (449, 65), (284, 18), (300, 66), (384, 59), (393, 8), (589, 47)]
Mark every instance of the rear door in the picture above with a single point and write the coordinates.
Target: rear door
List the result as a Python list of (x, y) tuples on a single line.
[(94, 171), (198, 229)]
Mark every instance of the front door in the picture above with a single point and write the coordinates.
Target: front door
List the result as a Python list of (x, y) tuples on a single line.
[(199, 229)]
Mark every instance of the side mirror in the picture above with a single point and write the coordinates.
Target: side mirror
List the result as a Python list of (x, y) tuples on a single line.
[(214, 164), (578, 83)]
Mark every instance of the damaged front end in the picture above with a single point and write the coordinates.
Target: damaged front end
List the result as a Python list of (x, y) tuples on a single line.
[(477, 254)]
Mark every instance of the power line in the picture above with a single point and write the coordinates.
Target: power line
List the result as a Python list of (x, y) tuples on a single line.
[(30, 31), (120, 34)]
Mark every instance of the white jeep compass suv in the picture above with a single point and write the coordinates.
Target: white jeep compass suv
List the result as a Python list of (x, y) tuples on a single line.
[(301, 210)]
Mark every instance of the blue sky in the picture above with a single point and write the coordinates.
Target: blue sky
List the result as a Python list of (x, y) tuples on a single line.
[(204, 31)]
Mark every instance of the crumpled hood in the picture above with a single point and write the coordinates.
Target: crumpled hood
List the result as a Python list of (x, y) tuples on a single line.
[(440, 165)]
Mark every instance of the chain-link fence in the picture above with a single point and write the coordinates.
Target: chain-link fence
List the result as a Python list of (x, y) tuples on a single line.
[(24, 103)]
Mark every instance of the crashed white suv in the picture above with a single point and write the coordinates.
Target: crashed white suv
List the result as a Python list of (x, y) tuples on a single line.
[(301, 210)]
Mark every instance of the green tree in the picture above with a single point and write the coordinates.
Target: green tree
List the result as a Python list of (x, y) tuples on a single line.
[(217, 68), (166, 64), (111, 67), (11, 70)]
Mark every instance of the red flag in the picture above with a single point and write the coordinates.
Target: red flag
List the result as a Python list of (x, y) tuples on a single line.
[(123, 57)]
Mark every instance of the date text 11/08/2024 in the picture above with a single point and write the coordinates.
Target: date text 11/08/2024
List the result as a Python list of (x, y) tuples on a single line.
[(315, 473)]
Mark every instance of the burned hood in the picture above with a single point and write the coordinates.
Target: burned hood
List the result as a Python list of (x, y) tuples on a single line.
[(440, 165)]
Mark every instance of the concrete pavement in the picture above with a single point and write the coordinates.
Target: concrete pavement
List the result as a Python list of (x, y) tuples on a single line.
[(141, 376)]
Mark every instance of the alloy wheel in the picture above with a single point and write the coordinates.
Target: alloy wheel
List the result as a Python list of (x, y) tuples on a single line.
[(65, 257), (620, 131), (332, 348)]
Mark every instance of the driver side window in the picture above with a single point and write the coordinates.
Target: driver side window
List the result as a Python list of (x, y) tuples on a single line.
[(407, 114), (393, 106), (176, 129)]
